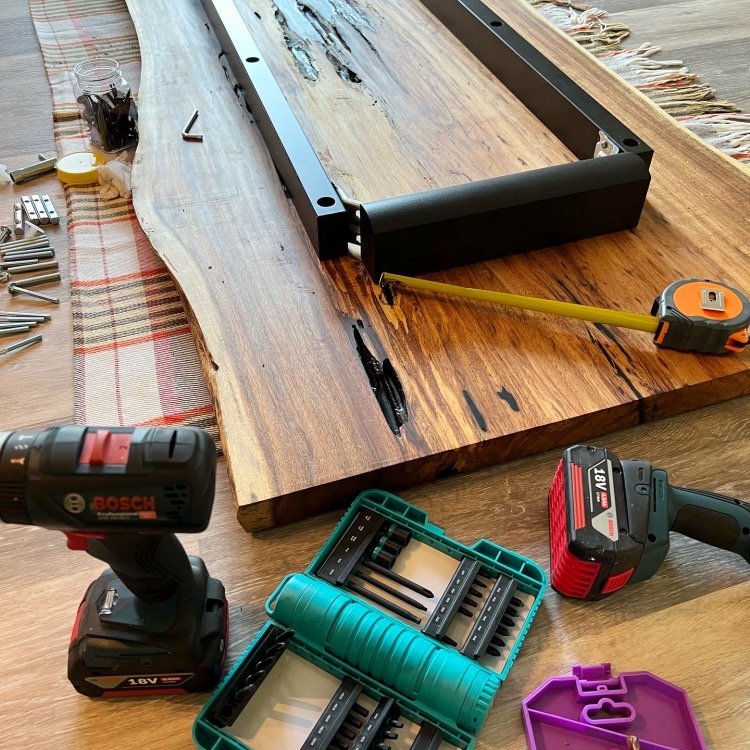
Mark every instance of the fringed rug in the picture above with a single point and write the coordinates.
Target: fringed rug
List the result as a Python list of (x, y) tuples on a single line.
[(135, 358), (666, 82)]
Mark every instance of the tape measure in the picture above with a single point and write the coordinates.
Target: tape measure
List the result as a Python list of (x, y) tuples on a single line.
[(702, 316), (689, 315)]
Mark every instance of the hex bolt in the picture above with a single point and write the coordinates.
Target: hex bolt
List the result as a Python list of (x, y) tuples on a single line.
[(16, 289)]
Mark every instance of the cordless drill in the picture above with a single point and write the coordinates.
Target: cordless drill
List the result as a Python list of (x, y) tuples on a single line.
[(156, 621), (609, 521)]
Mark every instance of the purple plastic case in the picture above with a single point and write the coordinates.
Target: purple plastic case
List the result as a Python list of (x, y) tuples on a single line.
[(592, 710)]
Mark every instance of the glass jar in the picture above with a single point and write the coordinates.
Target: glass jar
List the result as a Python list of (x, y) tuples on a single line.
[(106, 104)]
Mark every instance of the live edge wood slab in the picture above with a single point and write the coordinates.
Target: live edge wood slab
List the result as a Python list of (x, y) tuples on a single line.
[(393, 104)]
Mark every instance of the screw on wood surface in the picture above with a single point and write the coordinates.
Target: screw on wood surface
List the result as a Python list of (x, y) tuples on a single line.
[(186, 134), (16, 289)]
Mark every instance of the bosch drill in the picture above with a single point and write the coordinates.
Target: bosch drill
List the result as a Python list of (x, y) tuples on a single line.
[(156, 621)]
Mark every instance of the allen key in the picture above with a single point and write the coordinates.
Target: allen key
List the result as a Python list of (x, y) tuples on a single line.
[(186, 134)]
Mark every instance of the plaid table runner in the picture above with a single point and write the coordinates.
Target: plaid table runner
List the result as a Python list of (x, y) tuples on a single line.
[(135, 358), (134, 355)]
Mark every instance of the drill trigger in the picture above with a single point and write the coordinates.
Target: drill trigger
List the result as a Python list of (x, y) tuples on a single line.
[(77, 539)]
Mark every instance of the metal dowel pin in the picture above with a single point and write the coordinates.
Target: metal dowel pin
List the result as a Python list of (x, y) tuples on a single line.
[(34, 266), (13, 331), (26, 244), (21, 344), (34, 280), (30, 255), (186, 134), (30, 315), (16, 289)]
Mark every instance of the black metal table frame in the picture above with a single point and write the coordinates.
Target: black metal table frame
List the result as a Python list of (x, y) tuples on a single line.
[(447, 227)]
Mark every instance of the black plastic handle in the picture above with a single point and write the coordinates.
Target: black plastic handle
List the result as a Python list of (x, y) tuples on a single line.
[(711, 518), (153, 566)]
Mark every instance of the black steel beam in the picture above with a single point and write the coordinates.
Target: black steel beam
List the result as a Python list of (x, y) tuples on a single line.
[(477, 221), (453, 226), (561, 104), (316, 200)]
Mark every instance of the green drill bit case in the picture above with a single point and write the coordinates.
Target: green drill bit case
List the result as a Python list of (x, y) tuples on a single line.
[(336, 667)]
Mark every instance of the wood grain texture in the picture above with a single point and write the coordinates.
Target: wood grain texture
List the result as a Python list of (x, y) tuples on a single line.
[(40, 377), (299, 420)]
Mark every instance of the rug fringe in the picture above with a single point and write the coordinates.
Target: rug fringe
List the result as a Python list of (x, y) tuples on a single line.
[(668, 83)]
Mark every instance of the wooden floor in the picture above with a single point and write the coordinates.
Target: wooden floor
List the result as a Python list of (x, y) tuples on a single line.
[(712, 38), (688, 624)]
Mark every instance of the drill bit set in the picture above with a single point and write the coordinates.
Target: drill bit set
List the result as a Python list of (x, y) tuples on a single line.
[(395, 638)]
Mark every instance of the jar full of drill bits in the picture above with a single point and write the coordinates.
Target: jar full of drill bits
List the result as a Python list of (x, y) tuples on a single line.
[(106, 104)]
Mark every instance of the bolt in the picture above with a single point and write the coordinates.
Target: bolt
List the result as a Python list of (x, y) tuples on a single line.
[(16, 289)]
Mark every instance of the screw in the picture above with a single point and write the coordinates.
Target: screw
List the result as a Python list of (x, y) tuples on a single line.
[(21, 344), (16, 289)]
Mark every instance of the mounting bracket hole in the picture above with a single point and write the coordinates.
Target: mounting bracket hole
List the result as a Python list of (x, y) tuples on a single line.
[(652, 537), (252, 59), (326, 201), (631, 142), (496, 23)]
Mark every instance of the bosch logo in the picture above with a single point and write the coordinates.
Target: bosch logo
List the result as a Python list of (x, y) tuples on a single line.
[(74, 503), (123, 503)]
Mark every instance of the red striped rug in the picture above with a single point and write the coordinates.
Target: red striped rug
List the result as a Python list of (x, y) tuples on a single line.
[(134, 355)]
